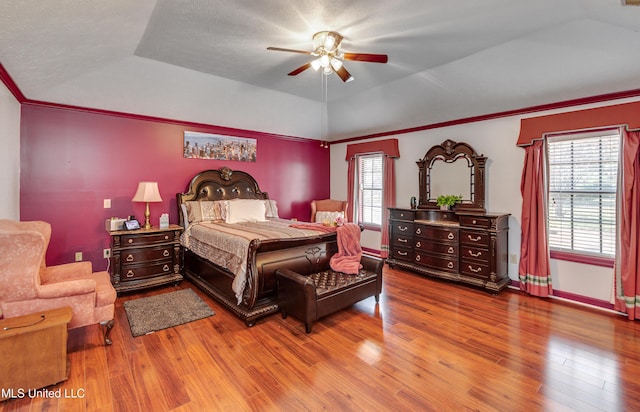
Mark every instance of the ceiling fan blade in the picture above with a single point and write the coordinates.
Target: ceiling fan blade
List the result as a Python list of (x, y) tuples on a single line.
[(366, 57), (344, 74), (300, 69), (288, 50)]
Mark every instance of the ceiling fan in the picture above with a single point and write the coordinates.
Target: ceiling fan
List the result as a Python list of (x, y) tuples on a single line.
[(326, 49)]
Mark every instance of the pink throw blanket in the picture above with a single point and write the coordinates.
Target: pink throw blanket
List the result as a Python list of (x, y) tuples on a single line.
[(347, 260)]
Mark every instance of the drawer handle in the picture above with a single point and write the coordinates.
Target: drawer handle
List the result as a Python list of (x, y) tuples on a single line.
[(418, 258), (165, 268), (450, 265), (166, 237), (475, 254), (130, 241), (474, 270), (403, 228), (473, 221), (450, 236), (474, 239), (401, 240), (418, 231), (129, 258), (450, 250), (129, 274), (401, 253), (166, 253)]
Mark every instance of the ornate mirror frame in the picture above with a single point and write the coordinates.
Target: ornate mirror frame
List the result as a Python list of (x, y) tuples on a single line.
[(450, 151)]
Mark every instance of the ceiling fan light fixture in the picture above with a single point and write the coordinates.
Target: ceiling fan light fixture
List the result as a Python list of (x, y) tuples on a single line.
[(336, 64), (315, 64), (327, 41)]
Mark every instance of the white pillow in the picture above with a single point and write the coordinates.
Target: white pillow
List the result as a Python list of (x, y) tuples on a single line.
[(245, 210), (272, 208), (328, 217)]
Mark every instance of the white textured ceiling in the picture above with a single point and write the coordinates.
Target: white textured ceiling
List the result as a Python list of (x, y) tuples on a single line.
[(206, 61)]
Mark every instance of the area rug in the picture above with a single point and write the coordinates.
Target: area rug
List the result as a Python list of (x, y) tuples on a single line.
[(164, 311)]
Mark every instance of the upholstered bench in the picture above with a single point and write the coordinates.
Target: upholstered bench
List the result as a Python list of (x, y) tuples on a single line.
[(310, 297)]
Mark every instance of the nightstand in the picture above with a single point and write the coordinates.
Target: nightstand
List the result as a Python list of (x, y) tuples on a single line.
[(145, 258)]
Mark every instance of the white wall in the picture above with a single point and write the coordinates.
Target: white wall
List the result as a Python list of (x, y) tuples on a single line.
[(496, 139), (9, 155)]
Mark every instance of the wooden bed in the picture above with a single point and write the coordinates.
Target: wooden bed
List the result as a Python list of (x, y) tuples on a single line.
[(302, 255)]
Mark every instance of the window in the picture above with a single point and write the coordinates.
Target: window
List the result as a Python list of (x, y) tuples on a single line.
[(582, 184), (369, 190)]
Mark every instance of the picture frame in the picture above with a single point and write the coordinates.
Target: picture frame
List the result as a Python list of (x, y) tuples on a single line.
[(197, 145)]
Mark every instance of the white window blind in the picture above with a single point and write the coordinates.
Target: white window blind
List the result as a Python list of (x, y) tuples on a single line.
[(370, 180), (583, 174)]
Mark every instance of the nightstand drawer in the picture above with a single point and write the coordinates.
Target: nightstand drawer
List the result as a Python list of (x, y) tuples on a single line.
[(146, 240), (146, 271), (133, 256)]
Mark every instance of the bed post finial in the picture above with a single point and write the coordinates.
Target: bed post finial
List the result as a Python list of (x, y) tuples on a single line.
[(226, 173)]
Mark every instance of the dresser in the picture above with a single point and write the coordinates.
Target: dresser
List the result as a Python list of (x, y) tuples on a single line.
[(467, 247), (145, 258)]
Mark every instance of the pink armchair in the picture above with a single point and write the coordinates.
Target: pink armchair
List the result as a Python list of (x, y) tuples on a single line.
[(27, 285), (328, 205)]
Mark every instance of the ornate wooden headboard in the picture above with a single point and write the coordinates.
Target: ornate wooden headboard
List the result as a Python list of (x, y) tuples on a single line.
[(221, 184)]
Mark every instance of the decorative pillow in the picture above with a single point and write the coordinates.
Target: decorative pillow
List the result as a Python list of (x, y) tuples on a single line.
[(271, 208), (245, 210), (206, 211), (328, 217)]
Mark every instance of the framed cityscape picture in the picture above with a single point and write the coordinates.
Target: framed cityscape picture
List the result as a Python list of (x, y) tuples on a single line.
[(198, 145)]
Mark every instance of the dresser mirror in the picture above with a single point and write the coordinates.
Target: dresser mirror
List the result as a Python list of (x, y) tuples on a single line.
[(452, 168)]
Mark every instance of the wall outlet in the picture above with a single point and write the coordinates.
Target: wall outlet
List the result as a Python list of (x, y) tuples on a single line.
[(513, 258), (107, 203), (78, 256), (106, 253)]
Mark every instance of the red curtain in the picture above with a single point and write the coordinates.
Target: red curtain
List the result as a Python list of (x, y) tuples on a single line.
[(389, 148), (389, 200), (626, 272), (351, 176), (534, 273)]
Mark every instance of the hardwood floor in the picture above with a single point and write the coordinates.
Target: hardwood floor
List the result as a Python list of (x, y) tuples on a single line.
[(428, 345)]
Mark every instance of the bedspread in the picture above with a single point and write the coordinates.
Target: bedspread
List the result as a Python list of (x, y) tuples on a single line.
[(227, 244)]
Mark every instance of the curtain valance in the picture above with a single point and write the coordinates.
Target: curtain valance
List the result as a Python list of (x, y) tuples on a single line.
[(619, 114), (389, 147)]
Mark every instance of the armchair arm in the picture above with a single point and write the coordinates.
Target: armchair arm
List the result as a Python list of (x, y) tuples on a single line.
[(68, 288), (66, 271)]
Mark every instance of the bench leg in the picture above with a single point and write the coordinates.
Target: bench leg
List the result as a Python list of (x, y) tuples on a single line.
[(307, 327)]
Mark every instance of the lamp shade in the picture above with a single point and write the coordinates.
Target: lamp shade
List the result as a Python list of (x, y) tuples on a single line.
[(147, 192)]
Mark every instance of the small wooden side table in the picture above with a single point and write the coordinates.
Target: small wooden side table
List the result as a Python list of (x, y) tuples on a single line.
[(145, 258), (34, 351)]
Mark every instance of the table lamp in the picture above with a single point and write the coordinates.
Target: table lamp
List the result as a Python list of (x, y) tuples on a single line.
[(147, 192)]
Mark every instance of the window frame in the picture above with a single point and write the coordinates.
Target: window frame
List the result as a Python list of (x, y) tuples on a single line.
[(585, 257), (358, 192)]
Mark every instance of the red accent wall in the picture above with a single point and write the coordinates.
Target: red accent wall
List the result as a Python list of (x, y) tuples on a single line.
[(72, 160)]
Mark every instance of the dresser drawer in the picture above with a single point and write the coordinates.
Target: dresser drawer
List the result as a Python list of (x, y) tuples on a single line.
[(402, 229), (402, 254), (447, 264), (402, 215), (477, 270), (437, 248), (401, 240), (479, 239), (437, 233), (146, 240), (146, 271), (479, 254), (133, 256), (475, 221)]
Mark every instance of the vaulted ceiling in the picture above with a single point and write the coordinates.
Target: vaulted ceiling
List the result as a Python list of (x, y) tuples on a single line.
[(207, 61)]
